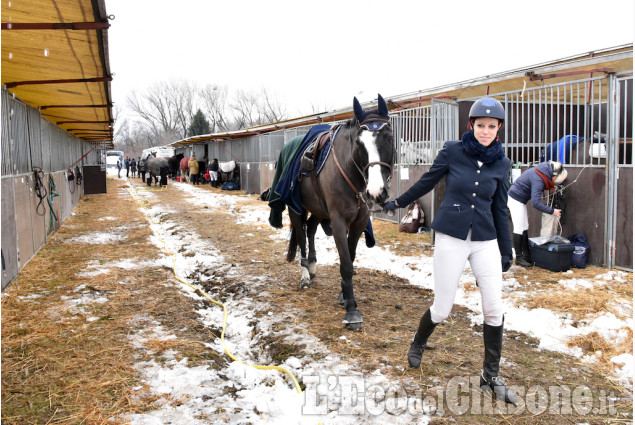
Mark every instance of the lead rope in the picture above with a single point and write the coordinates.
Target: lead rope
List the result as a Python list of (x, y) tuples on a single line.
[(199, 291)]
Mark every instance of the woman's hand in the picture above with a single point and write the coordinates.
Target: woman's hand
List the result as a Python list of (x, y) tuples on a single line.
[(389, 208), (557, 213)]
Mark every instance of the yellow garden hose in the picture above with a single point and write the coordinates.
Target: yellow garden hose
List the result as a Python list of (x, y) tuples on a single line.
[(199, 291)]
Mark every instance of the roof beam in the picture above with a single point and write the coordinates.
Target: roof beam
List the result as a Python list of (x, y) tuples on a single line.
[(533, 76), (75, 106), (85, 122), (66, 81), (56, 26)]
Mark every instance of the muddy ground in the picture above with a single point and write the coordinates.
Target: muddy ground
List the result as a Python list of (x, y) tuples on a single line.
[(57, 367)]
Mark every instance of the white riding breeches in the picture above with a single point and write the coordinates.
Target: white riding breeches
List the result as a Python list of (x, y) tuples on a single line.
[(518, 211), (450, 255)]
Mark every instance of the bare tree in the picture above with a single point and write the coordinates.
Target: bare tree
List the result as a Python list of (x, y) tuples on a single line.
[(269, 109), (165, 110), (244, 107), (182, 94), (253, 108), (166, 107), (214, 98)]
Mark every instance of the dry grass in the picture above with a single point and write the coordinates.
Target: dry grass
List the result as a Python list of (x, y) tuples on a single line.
[(59, 368)]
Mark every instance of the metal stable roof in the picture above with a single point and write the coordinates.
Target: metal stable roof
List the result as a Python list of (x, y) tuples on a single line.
[(55, 59), (611, 60)]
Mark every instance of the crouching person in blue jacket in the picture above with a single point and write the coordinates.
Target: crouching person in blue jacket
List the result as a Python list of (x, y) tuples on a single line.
[(530, 185), (472, 224)]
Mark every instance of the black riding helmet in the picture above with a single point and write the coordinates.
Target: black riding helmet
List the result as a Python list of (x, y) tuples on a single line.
[(487, 107)]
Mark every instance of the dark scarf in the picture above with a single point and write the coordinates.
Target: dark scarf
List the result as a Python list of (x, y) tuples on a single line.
[(549, 184), (488, 155)]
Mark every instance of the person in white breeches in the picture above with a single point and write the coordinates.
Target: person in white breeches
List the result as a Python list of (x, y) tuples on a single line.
[(450, 256), (472, 224), (530, 186)]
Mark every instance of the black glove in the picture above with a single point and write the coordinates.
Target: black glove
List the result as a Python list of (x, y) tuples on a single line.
[(506, 262), (390, 207)]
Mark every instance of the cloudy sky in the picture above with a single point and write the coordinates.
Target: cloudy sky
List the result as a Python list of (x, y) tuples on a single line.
[(324, 53)]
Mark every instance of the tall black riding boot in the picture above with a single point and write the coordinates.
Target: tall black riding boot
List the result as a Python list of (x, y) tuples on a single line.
[(525, 248), (522, 258), (490, 381), (418, 345)]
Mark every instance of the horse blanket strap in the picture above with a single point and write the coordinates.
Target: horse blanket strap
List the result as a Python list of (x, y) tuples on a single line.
[(321, 141)]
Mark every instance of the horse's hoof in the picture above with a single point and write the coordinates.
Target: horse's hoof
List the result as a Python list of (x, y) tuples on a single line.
[(354, 326), (353, 317), (305, 284)]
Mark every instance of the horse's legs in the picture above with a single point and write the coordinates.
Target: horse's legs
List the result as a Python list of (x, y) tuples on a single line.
[(353, 319), (311, 228), (297, 222), (355, 232)]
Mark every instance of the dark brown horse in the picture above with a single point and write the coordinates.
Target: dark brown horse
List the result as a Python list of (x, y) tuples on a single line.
[(353, 181)]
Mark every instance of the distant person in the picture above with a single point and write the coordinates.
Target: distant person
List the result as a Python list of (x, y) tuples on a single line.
[(133, 167), (141, 165), (530, 185), (194, 170), (127, 164), (213, 173), (119, 168)]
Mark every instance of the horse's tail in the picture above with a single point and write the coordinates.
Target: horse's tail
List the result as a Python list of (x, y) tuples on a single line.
[(293, 240), (293, 245)]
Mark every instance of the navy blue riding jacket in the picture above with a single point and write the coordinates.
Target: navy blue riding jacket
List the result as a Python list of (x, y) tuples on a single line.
[(475, 197), (530, 186)]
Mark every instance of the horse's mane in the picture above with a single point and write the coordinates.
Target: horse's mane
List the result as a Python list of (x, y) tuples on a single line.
[(350, 122)]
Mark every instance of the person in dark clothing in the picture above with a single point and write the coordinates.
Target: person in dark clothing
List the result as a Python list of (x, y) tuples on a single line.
[(141, 165), (133, 167), (472, 224), (127, 164), (530, 185), (213, 173)]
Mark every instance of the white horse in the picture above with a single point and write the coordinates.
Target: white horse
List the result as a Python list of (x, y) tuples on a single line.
[(416, 153)]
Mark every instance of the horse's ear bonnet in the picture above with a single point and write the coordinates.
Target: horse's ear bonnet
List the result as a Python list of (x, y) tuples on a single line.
[(380, 113), (359, 111)]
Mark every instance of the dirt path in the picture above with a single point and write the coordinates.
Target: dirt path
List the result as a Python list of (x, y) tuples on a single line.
[(72, 362)]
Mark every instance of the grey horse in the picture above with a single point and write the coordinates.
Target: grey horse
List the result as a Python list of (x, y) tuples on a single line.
[(157, 167)]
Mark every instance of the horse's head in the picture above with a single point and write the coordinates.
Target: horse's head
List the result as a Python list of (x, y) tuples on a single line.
[(376, 152)]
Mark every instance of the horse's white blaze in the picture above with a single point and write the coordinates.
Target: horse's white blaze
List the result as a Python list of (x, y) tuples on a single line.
[(375, 180)]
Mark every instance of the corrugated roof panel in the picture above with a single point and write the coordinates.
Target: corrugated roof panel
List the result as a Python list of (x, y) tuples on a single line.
[(65, 69)]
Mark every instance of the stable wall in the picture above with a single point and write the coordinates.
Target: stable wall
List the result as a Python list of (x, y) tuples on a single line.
[(25, 226)]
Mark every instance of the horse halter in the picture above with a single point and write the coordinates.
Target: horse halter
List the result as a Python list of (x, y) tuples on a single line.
[(374, 124)]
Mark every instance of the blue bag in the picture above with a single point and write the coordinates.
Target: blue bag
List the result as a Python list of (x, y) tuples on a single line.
[(230, 186), (579, 255)]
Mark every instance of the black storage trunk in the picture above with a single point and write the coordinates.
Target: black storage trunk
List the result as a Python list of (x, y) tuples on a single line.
[(94, 179), (552, 256)]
